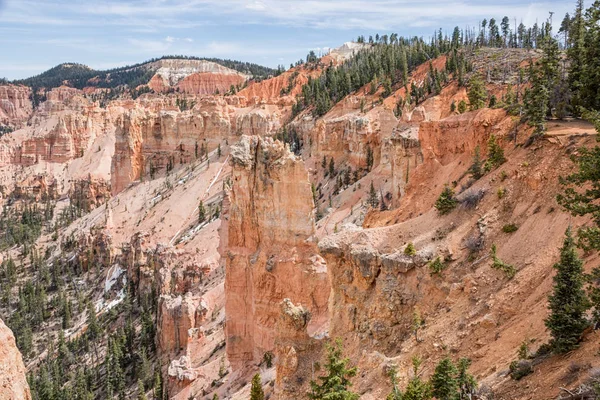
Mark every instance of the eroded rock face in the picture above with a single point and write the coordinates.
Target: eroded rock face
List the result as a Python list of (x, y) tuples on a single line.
[(13, 380), (373, 293), (267, 241), (193, 76), (295, 350), (446, 139), (15, 105), (148, 140)]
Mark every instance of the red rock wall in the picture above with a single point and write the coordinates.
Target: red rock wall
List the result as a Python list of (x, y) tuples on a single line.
[(267, 241), (13, 380)]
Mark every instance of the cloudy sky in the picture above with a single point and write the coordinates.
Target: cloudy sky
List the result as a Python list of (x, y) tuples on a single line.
[(38, 34)]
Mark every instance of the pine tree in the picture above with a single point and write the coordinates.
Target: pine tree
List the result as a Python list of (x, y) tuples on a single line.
[(443, 381), (158, 386), (416, 388), (66, 320), (141, 391), (584, 202), (477, 93), (495, 154), (201, 212), (568, 302), (331, 167), (373, 201), (446, 202), (467, 385), (369, 158), (476, 168), (395, 394), (462, 107), (94, 329), (219, 151), (576, 53), (256, 391), (336, 383), (590, 78)]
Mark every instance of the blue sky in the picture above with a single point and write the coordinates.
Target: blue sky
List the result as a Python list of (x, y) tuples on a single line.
[(38, 34)]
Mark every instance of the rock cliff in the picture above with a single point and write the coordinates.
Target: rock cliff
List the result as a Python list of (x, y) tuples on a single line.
[(268, 244), (15, 105), (13, 380)]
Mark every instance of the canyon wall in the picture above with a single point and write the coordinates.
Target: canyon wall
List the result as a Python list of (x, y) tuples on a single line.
[(15, 104), (267, 240), (13, 380)]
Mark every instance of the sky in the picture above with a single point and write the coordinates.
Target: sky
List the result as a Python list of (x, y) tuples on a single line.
[(36, 35)]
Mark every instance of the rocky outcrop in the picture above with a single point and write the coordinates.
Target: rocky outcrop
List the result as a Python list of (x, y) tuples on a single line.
[(13, 379), (179, 319), (267, 242), (40, 187), (210, 83), (446, 139), (373, 292), (90, 193), (402, 152), (147, 141), (295, 350), (15, 105), (67, 138), (193, 77)]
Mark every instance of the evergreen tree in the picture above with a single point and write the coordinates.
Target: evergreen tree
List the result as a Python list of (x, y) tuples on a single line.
[(256, 391), (373, 201), (336, 383), (369, 158), (467, 385), (67, 314), (201, 212), (476, 168), (477, 93), (495, 154), (141, 391), (444, 385), (446, 202), (416, 388), (590, 77), (395, 394), (584, 202), (568, 302), (94, 329), (576, 54), (158, 385), (462, 107), (331, 167)]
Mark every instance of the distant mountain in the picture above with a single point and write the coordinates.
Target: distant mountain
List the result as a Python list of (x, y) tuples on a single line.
[(79, 76)]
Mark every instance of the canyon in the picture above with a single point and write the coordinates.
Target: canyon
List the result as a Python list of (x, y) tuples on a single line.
[(242, 252)]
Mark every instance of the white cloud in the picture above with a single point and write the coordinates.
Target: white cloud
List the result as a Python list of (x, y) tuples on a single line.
[(340, 14)]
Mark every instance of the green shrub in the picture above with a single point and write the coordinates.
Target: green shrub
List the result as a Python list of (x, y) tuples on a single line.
[(501, 193), (498, 264), (437, 266), (410, 250), (520, 369), (509, 228), (446, 202)]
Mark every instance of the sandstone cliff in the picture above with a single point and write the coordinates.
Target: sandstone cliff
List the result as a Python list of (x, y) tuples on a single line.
[(15, 105), (267, 241), (13, 380)]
